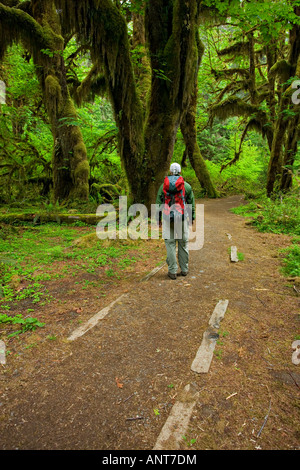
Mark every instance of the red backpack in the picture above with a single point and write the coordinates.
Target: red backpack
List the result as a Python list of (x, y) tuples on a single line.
[(174, 192)]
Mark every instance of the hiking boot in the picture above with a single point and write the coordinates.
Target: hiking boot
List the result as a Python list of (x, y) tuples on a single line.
[(184, 274), (172, 276)]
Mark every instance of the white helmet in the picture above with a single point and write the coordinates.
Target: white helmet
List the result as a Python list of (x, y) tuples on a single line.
[(175, 169)]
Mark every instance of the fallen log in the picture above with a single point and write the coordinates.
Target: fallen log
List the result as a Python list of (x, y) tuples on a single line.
[(42, 218)]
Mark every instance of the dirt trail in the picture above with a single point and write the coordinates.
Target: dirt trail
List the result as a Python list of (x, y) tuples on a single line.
[(114, 387)]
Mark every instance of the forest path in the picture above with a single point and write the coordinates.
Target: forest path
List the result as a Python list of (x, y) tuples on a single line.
[(116, 385)]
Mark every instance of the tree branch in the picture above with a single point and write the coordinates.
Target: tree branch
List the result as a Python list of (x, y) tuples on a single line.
[(18, 26)]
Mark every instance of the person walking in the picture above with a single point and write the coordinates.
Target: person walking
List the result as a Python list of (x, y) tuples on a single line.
[(176, 204)]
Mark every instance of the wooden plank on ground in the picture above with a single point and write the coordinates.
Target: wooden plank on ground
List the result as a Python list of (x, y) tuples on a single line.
[(176, 425), (203, 358), (296, 353), (2, 353), (202, 361), (154, 271), (218, 314), (93, 320), (233, 254)]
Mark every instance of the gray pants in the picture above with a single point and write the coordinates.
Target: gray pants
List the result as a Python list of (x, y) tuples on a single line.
[(182, 236)]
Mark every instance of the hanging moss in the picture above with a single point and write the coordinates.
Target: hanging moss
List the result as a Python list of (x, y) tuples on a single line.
[(233, 106), (17, 25), (93, 84), (282, 69), (238, 48), (227, 73), (286, 124)]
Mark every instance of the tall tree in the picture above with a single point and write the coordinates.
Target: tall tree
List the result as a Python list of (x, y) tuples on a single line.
[(286, 129), (261, 67), (36, 25), (147, 122), (188, 128)]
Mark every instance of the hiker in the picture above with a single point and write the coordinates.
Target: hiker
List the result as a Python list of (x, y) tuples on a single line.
[(172, 199)]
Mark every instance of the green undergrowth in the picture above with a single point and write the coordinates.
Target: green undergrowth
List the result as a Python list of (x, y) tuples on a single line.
[(274, 216), (246, 175), (33, 257), (280, 216), (291, 260), (27, 324)]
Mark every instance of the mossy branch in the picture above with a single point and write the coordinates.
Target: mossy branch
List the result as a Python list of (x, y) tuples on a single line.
[(101, 26), (232, 87), (10, 3), (228, 73), (18, 26), (252, 124), (282, 69), (116, 189), (239, 48), (93, 84), (233, 106)]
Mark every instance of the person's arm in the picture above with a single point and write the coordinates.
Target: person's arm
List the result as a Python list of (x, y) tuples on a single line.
[(160, 199), (190, 199)]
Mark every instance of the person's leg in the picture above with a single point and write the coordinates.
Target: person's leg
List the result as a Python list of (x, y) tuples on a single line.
[(183, 248), (171, 256), (170, 242)]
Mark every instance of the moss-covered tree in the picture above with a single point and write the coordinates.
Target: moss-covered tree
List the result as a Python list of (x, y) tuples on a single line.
[(36, 25), (147, 119), (189, 131), (261, 67), (286, 128)]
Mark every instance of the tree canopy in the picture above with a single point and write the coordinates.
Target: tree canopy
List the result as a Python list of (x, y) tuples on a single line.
[(156, 70)]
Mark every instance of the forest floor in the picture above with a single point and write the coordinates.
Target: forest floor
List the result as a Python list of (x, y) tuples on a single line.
[(114, 387)]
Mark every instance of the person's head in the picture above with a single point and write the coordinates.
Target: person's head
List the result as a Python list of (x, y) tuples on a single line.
[(175, 169)]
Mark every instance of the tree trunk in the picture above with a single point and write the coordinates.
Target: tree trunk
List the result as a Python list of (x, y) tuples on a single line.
[(275, 166), (173, 50), (275, 169), (290, 154), (69, 161), (189, 132), (142, 68), (39, 31)]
